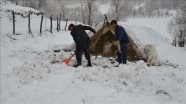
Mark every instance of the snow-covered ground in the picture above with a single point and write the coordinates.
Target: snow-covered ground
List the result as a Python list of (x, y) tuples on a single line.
[(29, 77)]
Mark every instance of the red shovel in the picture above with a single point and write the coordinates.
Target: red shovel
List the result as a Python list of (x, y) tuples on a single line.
[(67, 60)]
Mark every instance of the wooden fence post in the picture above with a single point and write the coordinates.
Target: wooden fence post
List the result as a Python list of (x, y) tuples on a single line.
[(41, 24), (60, 22), (57, 23), (51, 23), (13, 15), (175, 42), (29, 28), (66, 24), (29, 23)]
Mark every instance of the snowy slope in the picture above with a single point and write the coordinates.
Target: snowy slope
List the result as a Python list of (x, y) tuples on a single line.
[(29, 77), (157, 24)]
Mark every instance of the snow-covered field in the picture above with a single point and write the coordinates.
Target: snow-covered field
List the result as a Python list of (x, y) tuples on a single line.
[(29, 77)]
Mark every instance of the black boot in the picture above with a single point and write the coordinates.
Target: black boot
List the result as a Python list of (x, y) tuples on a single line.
[(78, 63), (89, 63)]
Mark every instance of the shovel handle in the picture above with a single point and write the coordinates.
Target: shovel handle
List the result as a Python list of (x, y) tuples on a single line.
[(72, 56)]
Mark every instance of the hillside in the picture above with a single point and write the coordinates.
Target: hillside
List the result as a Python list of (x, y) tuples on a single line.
[(29, 77)]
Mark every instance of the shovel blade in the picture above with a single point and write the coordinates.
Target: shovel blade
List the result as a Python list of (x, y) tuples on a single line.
[(66, 61)]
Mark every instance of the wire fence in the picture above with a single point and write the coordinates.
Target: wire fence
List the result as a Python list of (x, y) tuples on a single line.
[(35, 15)]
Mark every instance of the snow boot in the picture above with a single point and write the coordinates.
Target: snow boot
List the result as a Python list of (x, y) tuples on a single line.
[(89, 63), (78, 63)]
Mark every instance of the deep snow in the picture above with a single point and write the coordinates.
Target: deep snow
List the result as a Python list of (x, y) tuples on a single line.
[(29, 77)]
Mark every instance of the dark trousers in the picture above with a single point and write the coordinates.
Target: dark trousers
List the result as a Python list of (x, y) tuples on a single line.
[(79, 52), (122, 56)]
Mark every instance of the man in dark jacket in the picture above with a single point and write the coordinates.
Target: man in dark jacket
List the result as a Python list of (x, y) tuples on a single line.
[(121, 40), (82, 41)]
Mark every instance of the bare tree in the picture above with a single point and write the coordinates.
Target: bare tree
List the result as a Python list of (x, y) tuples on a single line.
[(41, 4), (89, 4), (177, 26), (23, 2), (116, 4), (83, 12), (63, 10)]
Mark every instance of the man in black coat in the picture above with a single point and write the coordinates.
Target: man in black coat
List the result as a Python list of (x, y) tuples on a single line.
[(82, 41)]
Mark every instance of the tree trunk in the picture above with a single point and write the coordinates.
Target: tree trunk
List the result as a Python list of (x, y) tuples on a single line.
[(82, 13), (60, 22), (117, 18), (89, 17), (39, 4), (63, 14), (116, 3), (183, 43), (66, 24)]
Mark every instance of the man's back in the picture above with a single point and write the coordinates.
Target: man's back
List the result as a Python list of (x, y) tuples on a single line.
[(121, 35), (78, 31), (80, 36)]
